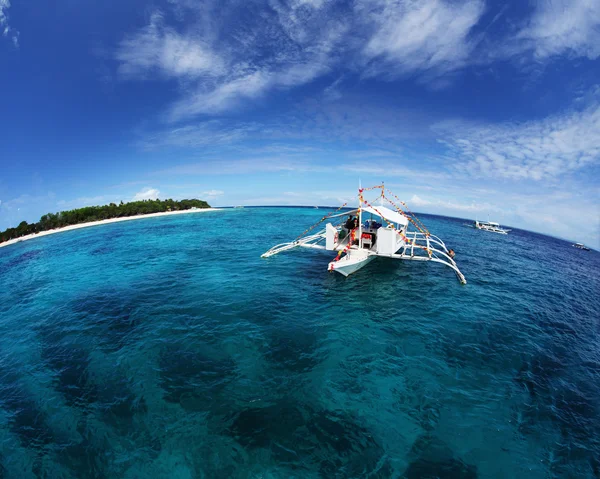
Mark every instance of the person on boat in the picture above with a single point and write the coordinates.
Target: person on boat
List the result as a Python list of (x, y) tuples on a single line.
[(451, 253), (350, 223)]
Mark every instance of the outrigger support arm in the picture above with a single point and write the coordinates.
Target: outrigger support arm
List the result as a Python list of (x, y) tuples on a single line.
[(306, 242), (429, 240), (450, 262)]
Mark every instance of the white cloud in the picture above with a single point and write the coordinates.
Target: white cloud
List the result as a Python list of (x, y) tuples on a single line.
[(537, 150), (223, 97), (223, 63), (430, 36), (391, 169), (312, 3), (562, 27), (5, 29), (566, 215), (453, 206), (332, 92), (332, 198), (559, 213), (206, 133), (351, 121), (247, 63), (146, 194), (418, 201), (213, 193), (252, 85), (252, 80), (242, 166), (160, 49)]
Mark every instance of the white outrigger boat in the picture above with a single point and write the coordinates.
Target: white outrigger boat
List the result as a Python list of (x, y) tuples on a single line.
[(490, 226), (359, 243)]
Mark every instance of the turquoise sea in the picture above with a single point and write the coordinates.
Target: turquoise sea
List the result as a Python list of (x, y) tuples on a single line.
[(167, 348)]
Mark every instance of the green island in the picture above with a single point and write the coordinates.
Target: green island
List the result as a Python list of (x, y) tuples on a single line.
[(89, 214)]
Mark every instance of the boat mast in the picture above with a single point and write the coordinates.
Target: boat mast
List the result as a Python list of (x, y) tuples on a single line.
[(359, 215)]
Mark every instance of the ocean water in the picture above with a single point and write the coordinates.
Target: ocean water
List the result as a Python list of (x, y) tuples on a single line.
[(167, 347)]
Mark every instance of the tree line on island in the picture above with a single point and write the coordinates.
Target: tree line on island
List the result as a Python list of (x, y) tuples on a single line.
[(98, 213)]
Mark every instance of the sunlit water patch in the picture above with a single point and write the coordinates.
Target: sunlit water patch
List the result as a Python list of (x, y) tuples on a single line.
[(167, 347)]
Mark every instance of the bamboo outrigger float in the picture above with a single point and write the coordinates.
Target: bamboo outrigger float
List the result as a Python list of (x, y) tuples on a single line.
[(358, 243)]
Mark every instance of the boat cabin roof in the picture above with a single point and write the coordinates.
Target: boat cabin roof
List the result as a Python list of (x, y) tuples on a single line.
[(383, 212), (491, 223)]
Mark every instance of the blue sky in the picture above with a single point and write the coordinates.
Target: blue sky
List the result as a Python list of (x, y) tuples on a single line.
[(466, 108)]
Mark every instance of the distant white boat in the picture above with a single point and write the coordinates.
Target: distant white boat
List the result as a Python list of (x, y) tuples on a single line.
[(238, 206), (490, 226), (358, 241), (581, 246)]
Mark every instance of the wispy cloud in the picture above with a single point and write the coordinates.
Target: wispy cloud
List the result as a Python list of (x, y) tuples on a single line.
[(211, 132), (126, 184), (560, 213), (253, 79), (537, 150), (244, 166), (160, 49), (351, 120), (570, 27), (222, 63), (551, 212), (332, 92), (146, 194), (333, 198), (223, 97), (5, 29), (370, 165), (293, 43), (429, 36), (213, 193), (248, 86), (244, 64), (435, 204), (393, 170)]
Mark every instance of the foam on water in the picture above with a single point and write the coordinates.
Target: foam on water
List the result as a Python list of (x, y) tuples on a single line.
[(167, 347)]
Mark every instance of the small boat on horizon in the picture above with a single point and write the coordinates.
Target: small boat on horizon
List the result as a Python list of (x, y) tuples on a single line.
[(385, 233), (490, 226), (581, 246)]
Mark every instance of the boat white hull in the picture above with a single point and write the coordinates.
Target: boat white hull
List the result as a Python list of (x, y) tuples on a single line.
[(360, 242), (491, 228), (352, 262)]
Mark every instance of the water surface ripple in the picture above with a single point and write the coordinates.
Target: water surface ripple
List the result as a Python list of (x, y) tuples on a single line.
[(167, 347)]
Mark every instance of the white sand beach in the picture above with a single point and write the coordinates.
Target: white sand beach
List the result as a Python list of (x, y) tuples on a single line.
[(104, 222)]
